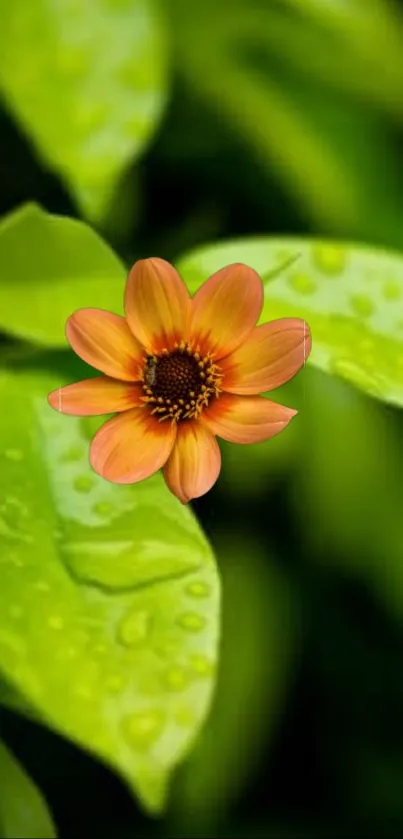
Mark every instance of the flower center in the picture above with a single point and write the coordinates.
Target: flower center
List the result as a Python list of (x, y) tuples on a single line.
[(179, 384)]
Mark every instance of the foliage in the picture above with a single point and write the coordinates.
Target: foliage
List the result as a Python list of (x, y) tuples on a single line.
[(266, 133)]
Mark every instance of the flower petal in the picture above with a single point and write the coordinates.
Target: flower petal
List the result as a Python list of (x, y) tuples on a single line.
[(225, 309), (245, 419), (157, 304), (105, 341), (271, 355), (195, 462), (131, 446), (95, 396)]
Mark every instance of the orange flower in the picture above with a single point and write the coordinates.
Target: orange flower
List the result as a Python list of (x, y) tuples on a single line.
[(178, 371)]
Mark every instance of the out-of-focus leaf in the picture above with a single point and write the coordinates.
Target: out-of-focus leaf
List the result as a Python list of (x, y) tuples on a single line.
[(50, 266), (348, 489), (350, 295), (87, 81), (325, 153), (329, 153), (354, 46), (108, 598), (370, 27), (325, 150), (342, 477), (260, 619), (23, 811), (350, 49)]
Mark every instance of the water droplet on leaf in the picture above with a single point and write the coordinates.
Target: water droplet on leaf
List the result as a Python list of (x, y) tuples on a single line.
[(143, 728), (83, 483), (198, 589), (103, 508), (114, 684), (201, 665), (392, 290), (73, 454), (176, 678), (134, 628), (14, 454), (42, 585), (111, 564), (166, 649), (13, 533), (55, 622), (191, 621), (302, 283), (330, 259), (362, 305)]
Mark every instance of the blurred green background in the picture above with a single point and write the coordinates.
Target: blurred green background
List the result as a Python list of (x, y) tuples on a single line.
[(167, 126)]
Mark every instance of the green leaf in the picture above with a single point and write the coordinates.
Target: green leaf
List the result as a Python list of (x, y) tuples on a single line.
[(371, 29), (50, 266), (325, 149), (23, 811), (348, 495), (326, 154), (109, 597), (330, 151), (87, 82), (352, 47), (350, 295)]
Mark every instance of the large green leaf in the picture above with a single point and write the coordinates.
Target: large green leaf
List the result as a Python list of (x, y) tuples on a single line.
[(87, 83), (108, 597), (50, 266), (351, 296), (23, 811)]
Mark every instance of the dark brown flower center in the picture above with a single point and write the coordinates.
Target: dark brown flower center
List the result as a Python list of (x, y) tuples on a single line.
[(176, 375), (179, 384)]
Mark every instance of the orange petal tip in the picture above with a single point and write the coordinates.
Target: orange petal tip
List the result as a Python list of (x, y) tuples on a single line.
[(55, 399)]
